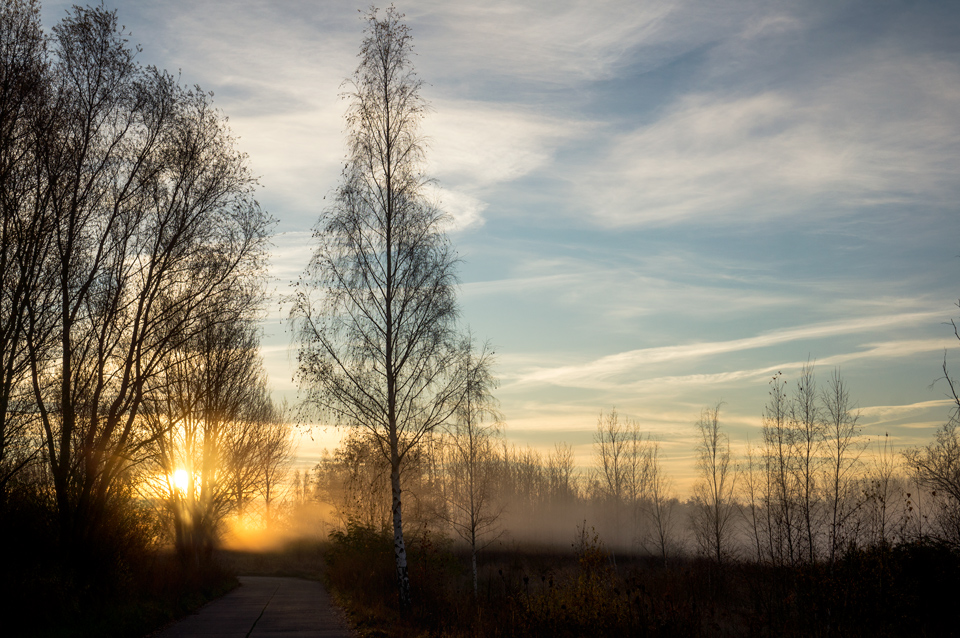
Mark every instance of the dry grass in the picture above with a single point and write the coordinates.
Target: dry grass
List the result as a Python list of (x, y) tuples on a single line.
[(883, 592)]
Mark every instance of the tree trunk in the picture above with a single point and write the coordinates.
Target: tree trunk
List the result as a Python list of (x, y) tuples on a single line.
[(399, 548), (473, 556)]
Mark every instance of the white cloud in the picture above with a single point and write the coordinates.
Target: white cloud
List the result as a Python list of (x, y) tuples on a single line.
[(848, 142), (670, 394), (473, 147), (483, 144), (569, 43), (770, 25), (465, 211)]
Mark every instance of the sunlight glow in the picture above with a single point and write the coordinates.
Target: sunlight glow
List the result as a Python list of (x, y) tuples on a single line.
[(181, 479)]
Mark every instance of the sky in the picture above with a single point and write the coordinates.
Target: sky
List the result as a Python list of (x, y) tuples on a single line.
[(658, 205)]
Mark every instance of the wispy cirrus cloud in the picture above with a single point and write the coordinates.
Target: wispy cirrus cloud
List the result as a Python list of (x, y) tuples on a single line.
[(823, 150), (597, 373), (474, 147), (540, 42), (898, 411), (524, 47)]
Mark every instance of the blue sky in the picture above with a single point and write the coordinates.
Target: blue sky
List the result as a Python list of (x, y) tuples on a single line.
[(658, 204)]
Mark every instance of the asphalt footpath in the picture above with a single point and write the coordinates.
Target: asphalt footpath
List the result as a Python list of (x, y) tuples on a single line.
[(265, 606)]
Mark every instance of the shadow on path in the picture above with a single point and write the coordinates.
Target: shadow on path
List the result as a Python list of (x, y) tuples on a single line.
[(265, 606)]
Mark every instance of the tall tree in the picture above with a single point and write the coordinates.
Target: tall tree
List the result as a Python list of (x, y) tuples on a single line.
[(376, 308), (24, 224), (937, 464), (779, 441), (275, 454), (561, 471), (661, 502), (622, 467), (154, 232)]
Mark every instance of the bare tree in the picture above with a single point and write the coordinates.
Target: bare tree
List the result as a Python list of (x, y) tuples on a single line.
[(937, 465), (713, 492), (659, 511), (621, 468), (275, 454), (376, 308), (843, 457), (522, 485), (778, 460), (937, 468), (808, 429), (562, 475), (471, 461), (755, 491), (882, 493), (353, 480), (210, 418), (24, 225), (154, 228), (611, 442)]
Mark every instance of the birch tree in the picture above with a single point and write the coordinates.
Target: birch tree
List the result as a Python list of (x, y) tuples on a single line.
[(376, 309)]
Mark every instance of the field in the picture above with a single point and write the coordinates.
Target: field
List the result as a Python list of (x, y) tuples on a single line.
[(908, 590)]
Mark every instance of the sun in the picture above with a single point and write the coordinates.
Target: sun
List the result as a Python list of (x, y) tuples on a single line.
[(181, 479)]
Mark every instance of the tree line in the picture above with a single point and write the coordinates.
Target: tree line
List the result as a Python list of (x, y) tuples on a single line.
[(812, 488)]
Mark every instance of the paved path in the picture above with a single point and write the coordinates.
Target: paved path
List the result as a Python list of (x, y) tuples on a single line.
[(265, 606)]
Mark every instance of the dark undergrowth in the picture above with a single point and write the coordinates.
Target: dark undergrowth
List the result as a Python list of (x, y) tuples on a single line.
[(907, 590), (114, 585)]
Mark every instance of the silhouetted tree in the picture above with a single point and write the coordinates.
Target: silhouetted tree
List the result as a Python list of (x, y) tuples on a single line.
[(714, 490), (780, 494), (882, 493), (376, 308), (211, 419), (275, 451), (24, 227), (154, 230), (808, 427), (471, 462), (621, 470), (660, 502), (937, 466), (353, 479), (755, 489), (561, 471), (842, 458)]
